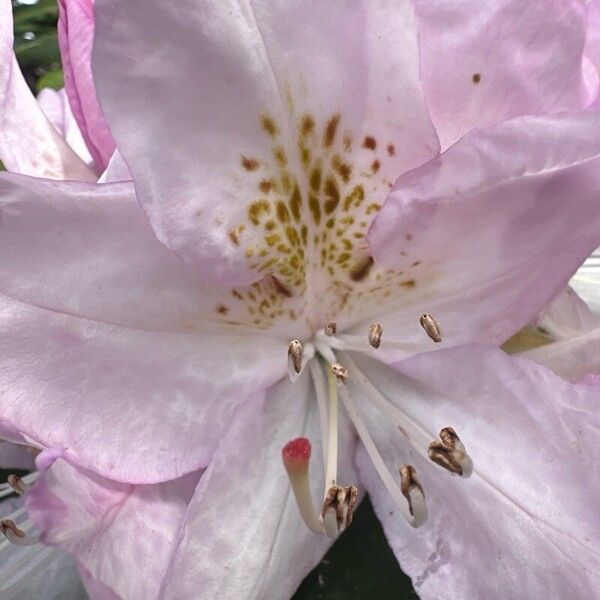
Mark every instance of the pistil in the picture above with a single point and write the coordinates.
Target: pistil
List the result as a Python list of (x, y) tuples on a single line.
[(296, 457)]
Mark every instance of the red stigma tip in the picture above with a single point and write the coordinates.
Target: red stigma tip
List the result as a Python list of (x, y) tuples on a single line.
[(296, 452)]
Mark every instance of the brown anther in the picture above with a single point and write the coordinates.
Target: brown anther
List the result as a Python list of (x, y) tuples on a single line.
[(340, 372), (8, 524), (343, 501), (295, 350), (448, 452), (17, 484), (375, 333), (408, 482), (431, 327), (331, 328)]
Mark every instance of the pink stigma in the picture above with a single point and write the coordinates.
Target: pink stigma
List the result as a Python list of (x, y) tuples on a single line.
[(296, 454)]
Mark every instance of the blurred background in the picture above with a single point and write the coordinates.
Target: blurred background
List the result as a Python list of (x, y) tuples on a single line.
[(360, 564)]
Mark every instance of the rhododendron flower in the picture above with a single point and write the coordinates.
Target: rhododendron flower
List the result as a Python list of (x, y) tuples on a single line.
[(256, 299)]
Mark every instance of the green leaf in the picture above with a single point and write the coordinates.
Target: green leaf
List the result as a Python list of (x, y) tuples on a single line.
[(51, 79), (42, 51), (359, 565), (25, 17)]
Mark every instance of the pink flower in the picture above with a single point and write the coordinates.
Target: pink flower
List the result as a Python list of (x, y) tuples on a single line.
[(29, 143), (75, 36), (263, 139)]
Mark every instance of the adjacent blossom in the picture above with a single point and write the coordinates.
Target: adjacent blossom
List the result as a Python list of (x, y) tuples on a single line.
[(75, 37), (293, 221), (567, 334), (29, 143)]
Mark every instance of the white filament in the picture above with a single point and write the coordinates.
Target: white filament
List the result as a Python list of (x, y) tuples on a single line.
[(419, 437), (417, 499)]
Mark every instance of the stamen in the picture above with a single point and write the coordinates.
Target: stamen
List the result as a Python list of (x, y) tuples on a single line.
[(295, 352), (431, 327), (338, 509), (340, 372), (332, 436), (6, 489), (411, 430), (413, 492), (17, 484), (15, 535), (330, 328), (415, 514), (449, 452), (321, 392), (375, 333), (296, 456)]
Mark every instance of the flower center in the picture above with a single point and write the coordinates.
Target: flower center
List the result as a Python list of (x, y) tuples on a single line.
[(310, 201), (331, 366)]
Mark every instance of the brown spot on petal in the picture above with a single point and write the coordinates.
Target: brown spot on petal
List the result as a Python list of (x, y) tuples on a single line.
[(361, 270), (269, 125), (307, 125), (476, 77), (391, 150), (369, 142), (281, 289), (250, 164), (330, 131), (265, 186), (222, 309)]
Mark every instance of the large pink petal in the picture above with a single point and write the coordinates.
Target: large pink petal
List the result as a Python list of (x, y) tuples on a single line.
[(243, 538), (491, 231), (529, 515), (101, 343), (87, 250), (29, 144), (485, 61), (592, 38), (222, 105), (55, 106), (75, 38), (122, 535)]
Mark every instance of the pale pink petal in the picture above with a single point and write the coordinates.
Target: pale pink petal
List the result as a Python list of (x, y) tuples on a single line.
[(121, 534), (592, 38), (95, 589), (586, 282), (486, 235), (55, 106), (116, 170), (87, 250), (243, 538), (219, 105), (572, 357), (567, 316), (75, 38), (130, 404), (104, 336), (526, 524), (28, 142), (485, 61)]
